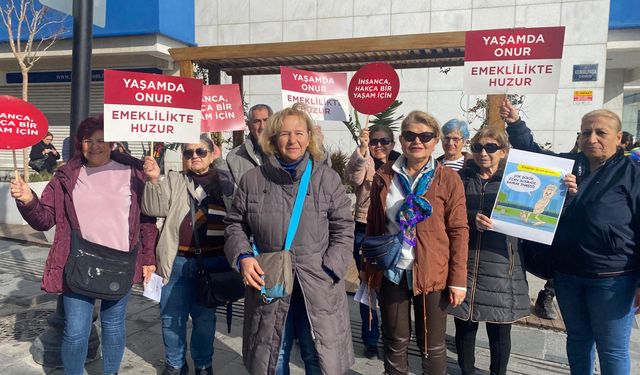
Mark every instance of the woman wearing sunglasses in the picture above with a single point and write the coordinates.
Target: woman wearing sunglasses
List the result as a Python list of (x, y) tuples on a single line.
[(497, 290), (376, 148), (425, 201), (207, 191)]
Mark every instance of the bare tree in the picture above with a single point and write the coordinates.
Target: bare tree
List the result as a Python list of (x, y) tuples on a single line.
[(25, 21)]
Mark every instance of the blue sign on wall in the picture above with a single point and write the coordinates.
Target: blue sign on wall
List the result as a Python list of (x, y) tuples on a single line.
[(585, 72), (65, 76)]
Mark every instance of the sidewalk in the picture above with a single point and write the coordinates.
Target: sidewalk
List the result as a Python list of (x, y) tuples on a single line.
[(24, 308)]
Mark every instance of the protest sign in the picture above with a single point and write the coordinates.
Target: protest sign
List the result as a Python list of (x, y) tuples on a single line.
[(531, 196), (374, 88), (222, 108), (21, 124), (322, 95), (151, 107), (520, 61)]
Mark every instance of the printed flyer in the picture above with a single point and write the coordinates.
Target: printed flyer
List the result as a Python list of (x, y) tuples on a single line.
[(531, 196)]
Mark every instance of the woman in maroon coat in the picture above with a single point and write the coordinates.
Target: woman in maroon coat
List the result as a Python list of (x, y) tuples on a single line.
[(97, 193)]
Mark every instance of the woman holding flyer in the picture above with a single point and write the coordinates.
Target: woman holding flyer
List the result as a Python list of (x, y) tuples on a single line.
[(497, 290), (595, 250)]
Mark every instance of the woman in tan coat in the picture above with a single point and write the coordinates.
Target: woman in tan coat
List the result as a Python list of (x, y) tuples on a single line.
[(375, 149), (424, 200)]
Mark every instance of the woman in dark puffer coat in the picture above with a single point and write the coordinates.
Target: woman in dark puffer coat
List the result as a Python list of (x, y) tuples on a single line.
[(497, 290)]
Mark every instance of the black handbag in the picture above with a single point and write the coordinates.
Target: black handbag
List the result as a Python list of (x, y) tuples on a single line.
[(538, 259), (218, 288), (98, 271), (382, 251), (38, 164), (215, 288)]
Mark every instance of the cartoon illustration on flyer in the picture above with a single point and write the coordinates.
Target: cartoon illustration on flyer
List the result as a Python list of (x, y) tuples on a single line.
[(531, 196)]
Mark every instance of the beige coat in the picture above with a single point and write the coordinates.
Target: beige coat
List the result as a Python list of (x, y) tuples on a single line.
[(359, 173), (169, 198)]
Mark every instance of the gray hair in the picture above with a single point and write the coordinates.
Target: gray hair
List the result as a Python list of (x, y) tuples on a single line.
[(257, 107), (455, 124)]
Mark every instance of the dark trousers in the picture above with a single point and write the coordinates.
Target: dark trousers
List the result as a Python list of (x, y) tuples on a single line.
[(499, 346), (370, 333), (395, 311)]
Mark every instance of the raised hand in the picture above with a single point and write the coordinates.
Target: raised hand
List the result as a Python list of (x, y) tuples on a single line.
[(20, 190), (509, 113), (151, 169)]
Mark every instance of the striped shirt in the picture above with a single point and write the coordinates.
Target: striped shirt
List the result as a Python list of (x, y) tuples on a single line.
[(456, 165)]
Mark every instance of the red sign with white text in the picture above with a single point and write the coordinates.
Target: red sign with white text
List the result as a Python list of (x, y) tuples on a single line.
[(151, 107), (222, 108), (21, 124), (522, 61), (322, 95), (374, 88)]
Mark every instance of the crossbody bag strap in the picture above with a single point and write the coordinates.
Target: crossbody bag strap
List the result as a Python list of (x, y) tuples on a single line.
[(196, 238), (297, 207)]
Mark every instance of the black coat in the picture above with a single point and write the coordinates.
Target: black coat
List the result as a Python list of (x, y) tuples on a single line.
[(599, 230), (497, 289)]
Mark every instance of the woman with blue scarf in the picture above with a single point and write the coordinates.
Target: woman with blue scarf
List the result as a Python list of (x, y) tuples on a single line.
[(417, 196)]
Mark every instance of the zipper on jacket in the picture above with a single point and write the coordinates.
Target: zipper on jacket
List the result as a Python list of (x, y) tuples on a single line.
[(306, 303), (477, 259), (511, 260)]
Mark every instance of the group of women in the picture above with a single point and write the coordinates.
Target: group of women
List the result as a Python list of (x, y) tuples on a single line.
[(450, 263)]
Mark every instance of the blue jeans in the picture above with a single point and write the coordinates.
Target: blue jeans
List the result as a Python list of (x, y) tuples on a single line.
[(597, 311), (78, 314), (177, 303), (297, 325), (369, 336)]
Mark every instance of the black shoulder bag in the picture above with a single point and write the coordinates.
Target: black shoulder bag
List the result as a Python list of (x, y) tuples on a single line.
[(215, 288), (98, 271)]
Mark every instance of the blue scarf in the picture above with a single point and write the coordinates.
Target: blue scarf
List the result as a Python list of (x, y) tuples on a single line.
[(415, 207)]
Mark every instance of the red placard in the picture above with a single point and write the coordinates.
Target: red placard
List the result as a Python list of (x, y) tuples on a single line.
[(21, 123), (151, 107), (156, 90), (222, 108), (374, 88), (514, 44)]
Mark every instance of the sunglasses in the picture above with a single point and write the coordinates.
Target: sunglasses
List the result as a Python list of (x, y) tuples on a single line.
[(490, 148), (201, 152), (410, 136), (381, 141)]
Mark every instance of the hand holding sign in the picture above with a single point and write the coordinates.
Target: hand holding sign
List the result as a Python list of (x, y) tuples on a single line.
[(20, 190)]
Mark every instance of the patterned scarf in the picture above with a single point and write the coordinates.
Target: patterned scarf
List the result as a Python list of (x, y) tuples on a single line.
[(415, 207)]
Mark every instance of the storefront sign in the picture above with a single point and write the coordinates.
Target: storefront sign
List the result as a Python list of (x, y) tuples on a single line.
[(151, 107), (222, 108), (520, 61), (585, 73), (322, 95), (63, 76), (21, 124), (582, 96), (374, 88)]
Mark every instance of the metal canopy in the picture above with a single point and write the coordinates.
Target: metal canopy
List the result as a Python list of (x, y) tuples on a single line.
[(401, 51)]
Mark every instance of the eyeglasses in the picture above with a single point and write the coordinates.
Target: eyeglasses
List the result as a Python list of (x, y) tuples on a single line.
[(200, 152), (452, 139), (377, 141), (490, 148), (410, 136)]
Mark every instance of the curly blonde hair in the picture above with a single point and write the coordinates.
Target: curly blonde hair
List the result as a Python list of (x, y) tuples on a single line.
[(269, 136)]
